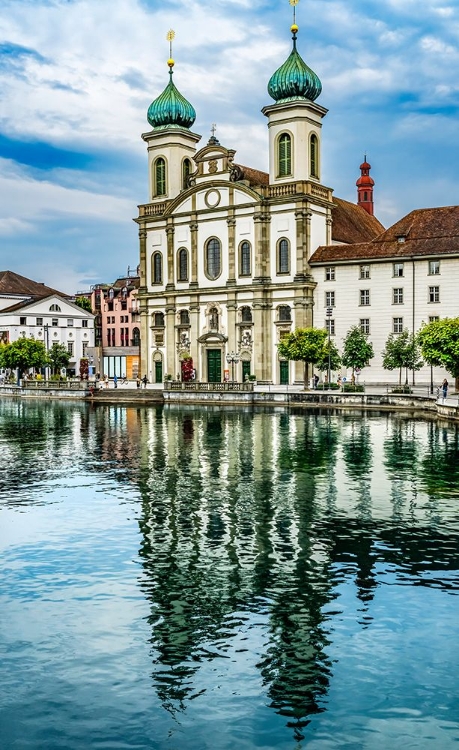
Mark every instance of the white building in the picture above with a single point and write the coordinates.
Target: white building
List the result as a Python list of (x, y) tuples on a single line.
[(32, 310)]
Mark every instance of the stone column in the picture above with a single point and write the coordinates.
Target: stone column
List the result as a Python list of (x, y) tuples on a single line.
[(262, 265), (231, 221), (194, 252), (170, 231), (262, 337), (302, 268), (171, 366), (232, 343), (143, 256), (329, 226), (194, 308)]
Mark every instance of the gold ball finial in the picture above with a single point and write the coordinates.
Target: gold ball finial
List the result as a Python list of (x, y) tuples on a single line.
[(171, 62), (294, 28)]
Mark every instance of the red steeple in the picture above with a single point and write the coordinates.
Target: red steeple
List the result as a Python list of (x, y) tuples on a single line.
[(365, 185)]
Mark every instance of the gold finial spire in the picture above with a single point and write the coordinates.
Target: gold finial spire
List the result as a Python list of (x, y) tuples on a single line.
[(170, 36), (294, 3)]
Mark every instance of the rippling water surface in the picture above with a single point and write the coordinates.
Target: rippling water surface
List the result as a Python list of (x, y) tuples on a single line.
[(197, 579)]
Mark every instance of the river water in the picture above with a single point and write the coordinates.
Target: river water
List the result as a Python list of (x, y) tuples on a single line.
[(198, 579)]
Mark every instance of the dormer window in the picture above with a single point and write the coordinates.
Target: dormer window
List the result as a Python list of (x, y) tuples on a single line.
[(401, 238)]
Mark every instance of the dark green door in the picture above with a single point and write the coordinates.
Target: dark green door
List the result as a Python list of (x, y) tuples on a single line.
[(283, 372), (158, 372), (214, 366), (245, 370)]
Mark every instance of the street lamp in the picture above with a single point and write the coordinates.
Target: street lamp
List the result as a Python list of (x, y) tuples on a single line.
[(329, 313), (232, 358)]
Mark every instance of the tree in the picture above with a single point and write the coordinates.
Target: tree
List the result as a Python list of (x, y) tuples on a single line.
[(357, 350), (84, 303), (84, 368), (22, 355), (402, 350), (335, 359), (439, 342), (58, 357), (303, 345)]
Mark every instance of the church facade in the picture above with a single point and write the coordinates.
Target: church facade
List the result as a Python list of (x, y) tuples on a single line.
[(225, 249)]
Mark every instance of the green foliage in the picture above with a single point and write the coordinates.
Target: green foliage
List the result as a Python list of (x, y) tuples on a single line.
[(23, 354), (303, 344), (84, 303), (439, 342), (402, 350), (335, 359), (327, 387), (58, 357), (357, 350), (352, 388)]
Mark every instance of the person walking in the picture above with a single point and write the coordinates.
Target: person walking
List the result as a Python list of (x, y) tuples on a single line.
[(444, 388), (115, 381), (144, 381), (138, 382)]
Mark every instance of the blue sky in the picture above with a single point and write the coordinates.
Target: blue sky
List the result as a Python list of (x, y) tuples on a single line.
[(77, 77)]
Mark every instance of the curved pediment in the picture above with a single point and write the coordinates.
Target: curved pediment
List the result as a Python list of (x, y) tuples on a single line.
[(215, 195)]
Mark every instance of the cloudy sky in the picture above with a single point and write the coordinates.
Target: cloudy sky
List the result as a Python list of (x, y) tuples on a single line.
[(77, 77)]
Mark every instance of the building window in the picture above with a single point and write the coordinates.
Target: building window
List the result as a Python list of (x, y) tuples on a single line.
[(186, 171), (397, 325), (55, 308), (135, 337), (365, 326), (124, 304), (183, 264), (158, 319), (246, 315), (364, 297), (434, 267), (330, 326), (314, 156), (398, 269), (434, 294), (245, 259), (39, 322), (160, 176), (213, 258), (54, 322), (157, 268), (84, 324), (184, 318), (22, 321), (397, 296), (330, 273), (434, 318), (70, 323), (70, 347), (283, 256), (329, 299), (285, 313), (285, 155), (364, 272), (85, 349)]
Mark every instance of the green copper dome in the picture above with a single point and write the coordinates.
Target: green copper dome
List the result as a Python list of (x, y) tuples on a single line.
[(171, 109), (294, 79)]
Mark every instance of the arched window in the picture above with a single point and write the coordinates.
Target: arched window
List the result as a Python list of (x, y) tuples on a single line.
[(186, 171), (158, 320), (157, 268), (283, 256), (55, 308), (160, 176), (246, 315), (184, 318), (135, 337), (284, 155), (213, 258), (213, 319), (245, 259), (285, 313), (314, 156), (182, 264)]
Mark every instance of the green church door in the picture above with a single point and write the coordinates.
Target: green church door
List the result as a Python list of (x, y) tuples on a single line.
[(158, 372), (245, 370), (214, 366), (283, 372)]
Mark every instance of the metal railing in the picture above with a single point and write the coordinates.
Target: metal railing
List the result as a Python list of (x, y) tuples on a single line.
[(64, 385)]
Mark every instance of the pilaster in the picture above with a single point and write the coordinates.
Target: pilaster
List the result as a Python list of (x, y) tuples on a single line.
[(170, 231), (231, 222), (194, 251), (170, 337), (262, 271), (194, 334)]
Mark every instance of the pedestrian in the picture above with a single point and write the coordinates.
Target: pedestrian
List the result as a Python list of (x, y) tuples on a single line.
[(144, 381), (115, 381), (316, 380), (444, 387), (138, 382), (106, 381)]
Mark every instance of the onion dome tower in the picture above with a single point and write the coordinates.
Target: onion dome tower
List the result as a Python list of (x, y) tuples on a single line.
[(365, 185), (171, 144), (295, 120)]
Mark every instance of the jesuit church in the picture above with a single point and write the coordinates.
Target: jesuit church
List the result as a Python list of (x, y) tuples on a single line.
[(225, 249)]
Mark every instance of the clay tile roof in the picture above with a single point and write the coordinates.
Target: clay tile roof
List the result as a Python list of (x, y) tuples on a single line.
[(254, 176), (13, 283), (351, 223), (424, 232)]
